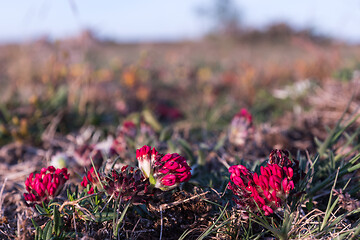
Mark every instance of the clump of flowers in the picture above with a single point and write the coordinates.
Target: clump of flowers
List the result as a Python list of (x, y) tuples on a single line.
[(157, 171), (164, 171), (92, 179), (268, 190), (128, 184), (241, 128), (46, 185)]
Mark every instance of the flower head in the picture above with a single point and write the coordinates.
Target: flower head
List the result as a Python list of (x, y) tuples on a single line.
[(164, 171), (92, 179), (128, 184), (146, 158), (45, 185), (280, 157), (240, 128), (170, 171), (268, 190)]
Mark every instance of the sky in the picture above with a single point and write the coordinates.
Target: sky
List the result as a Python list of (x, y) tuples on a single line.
[(158, 20)]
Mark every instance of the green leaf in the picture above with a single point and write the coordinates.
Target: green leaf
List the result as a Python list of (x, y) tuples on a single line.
[(101, 216), (165, 134), (60, 98), (330, 207), (142, 210), (121, 218), (185, 233), (187, 148), (41, 210), (57, 221), (47, 231), (69, 195), (152, 180), (201, 158), (171, 146), (221, 142), (151, 120), (309, 205), (34, 223), (213, 227), (356, 233), (38, 235), (37, 229)]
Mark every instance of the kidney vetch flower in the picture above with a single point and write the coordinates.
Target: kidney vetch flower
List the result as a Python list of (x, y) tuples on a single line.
[(164, 171), (268, 190), (45, 185)]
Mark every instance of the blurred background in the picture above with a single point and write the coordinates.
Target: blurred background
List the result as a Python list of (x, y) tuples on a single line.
[(161, 20), (188, 64)]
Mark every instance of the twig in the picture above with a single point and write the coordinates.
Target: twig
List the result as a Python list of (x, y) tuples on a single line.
[(74, 223), (161, 222), (112, 195), (50, 131), (17, 175), (18, 224), (223, 194), (223, 161), (166, 206), (217, 193), (133, 230), (86, 211), (5, 234), (1, 194), (76, 203)]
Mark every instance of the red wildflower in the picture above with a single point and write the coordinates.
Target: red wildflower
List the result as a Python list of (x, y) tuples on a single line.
[(147, 158), (128, 184), (170, 171), (45, 185), (165, 172), (269, 189), (90, 178)]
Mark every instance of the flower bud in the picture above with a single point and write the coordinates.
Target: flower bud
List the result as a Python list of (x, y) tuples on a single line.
[(146, 158)]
